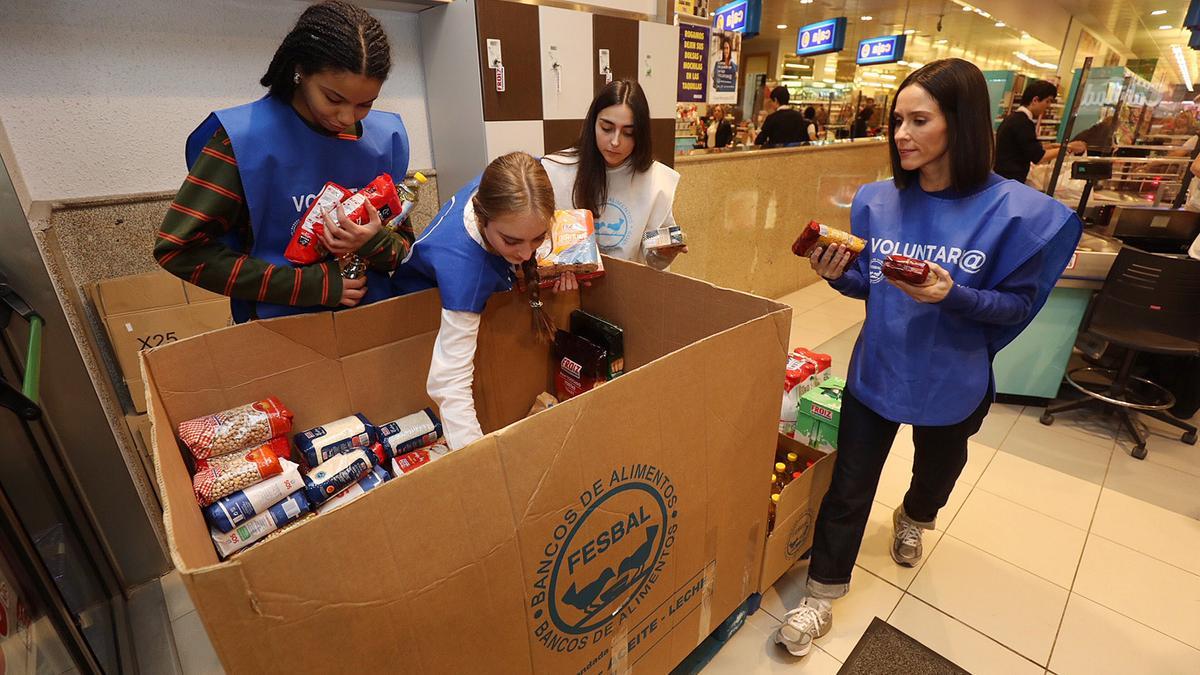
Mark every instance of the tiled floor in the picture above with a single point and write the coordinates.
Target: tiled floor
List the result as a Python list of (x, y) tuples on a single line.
[(1057, 553)]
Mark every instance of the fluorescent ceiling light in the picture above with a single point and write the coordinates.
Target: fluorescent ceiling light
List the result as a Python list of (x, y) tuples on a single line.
[(1183, 66), (887, 76), (1165, 27), (915, 64), (800, 66), (1158, 12), (1000, 24), (829, 81), (941, 42), (902, 63), (968, 8), (865, 17), (782, 26), (791, 77), (1024, 35), (910, 31)]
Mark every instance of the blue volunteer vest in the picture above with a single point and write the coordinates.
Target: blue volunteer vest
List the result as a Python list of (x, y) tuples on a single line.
[(915, 363), (284, 164), (447, 258)]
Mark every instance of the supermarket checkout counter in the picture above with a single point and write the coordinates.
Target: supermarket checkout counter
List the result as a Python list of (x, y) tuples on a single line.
[(1033, 365), (742, 208)]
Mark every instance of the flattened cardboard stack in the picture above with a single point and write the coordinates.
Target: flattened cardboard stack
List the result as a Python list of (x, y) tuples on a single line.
[(147, 310), (612, 532)]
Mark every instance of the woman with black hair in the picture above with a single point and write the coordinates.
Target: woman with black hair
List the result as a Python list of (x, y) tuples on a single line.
[(256, 168), (611, 172), (995, 249)]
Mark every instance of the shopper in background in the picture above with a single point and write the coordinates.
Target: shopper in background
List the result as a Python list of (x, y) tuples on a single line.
[(995, 249), (468, 253), (810, 115), (254, 170), (720, 130), (862, 121), (784, 125), (1017, 144), (611, 172)]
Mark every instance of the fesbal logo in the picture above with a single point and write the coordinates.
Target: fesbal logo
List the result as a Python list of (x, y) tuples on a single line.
[(603, 558)]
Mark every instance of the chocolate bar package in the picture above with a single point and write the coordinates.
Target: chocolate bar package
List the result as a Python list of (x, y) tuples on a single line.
[(605, 334)]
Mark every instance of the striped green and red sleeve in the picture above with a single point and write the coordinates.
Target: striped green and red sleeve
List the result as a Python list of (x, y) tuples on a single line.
[(386, 250), (212, 203)]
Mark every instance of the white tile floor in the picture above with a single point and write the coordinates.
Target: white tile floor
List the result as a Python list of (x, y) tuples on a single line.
[(1058, 553)]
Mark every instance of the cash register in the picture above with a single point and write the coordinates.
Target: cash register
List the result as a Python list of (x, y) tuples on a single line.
[(1156, 229)]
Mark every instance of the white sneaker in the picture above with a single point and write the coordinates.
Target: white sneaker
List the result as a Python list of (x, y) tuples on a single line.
[(804, 624)]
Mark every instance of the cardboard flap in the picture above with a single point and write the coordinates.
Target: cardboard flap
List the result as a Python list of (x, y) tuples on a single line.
[(380, 323), (138, 292)]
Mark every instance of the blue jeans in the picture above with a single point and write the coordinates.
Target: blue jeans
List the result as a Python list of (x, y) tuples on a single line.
[(864, 439)]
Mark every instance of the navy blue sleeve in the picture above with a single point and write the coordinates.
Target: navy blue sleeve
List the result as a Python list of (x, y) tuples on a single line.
[(853, 282), (1007, 305)]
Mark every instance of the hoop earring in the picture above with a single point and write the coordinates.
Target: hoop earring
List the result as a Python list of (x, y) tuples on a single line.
[(296, 78)]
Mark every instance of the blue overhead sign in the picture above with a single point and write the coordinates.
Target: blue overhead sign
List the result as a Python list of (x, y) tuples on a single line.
[(887, 49), (822, 37), (739, 16)]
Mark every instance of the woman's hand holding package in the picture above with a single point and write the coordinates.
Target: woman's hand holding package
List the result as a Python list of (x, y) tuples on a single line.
[(344, 236), (668, 254), (830, 263), (936, 288)]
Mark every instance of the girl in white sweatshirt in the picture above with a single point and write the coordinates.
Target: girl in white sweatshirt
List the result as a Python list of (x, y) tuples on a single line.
[(611, 172), (492, 224)]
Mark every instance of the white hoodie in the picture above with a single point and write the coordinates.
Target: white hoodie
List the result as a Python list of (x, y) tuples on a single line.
[(636, 202)]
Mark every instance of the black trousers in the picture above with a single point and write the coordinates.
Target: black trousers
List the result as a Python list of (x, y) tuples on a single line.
[(864, 439)]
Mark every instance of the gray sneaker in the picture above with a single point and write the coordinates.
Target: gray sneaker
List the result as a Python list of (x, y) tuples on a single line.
[(803, 625), (906, 538)]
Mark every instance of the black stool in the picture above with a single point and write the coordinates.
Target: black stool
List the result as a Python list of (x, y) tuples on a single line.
[(1149, 303)]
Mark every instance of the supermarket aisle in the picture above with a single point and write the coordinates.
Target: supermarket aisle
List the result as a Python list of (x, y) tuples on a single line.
[(1057, 552)]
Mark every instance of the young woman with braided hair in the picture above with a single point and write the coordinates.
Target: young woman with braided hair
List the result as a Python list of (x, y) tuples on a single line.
[(256, 168)]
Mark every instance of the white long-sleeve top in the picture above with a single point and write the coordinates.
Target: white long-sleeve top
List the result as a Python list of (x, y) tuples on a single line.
[(637, 202), (452, 370)]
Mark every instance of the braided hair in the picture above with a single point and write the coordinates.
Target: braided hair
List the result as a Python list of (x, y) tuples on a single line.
[(330, 35)]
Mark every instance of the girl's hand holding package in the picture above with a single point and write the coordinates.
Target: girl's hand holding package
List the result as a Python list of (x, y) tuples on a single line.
[(353, 291), (830, 262), (936, 288), (669, 253), (567, 281), (344, 236)]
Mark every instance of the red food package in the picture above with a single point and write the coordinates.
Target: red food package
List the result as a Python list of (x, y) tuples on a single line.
[(816, 234), (382, 194), (235, 429), (908, 270), (581, 364), (222, 476), (305, 247)]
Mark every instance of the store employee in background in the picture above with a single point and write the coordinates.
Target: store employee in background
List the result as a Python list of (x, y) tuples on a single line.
[(254, 169), (720, 130), (1017, 145), (784, 126)]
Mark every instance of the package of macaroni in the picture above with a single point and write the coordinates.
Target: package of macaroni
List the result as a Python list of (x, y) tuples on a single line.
[(320, 443), (377, 476), (410, 433), (236, 429), (817, 234), (571, 247), (305, 247), (222, 476), (276, 516)]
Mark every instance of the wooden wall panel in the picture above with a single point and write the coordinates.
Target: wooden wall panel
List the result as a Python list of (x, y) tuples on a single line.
[(516, 26), (620, 38)]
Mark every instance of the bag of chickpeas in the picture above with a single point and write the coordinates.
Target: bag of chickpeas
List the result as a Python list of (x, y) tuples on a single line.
[(224, 475), (236, 429)]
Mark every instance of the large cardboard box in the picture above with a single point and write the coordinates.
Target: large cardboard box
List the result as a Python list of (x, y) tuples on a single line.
[(148, 310), (614, 531), (139, 430), (796, 513)]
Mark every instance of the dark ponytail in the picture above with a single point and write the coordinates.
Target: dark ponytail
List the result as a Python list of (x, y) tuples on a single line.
[(330, 35)]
